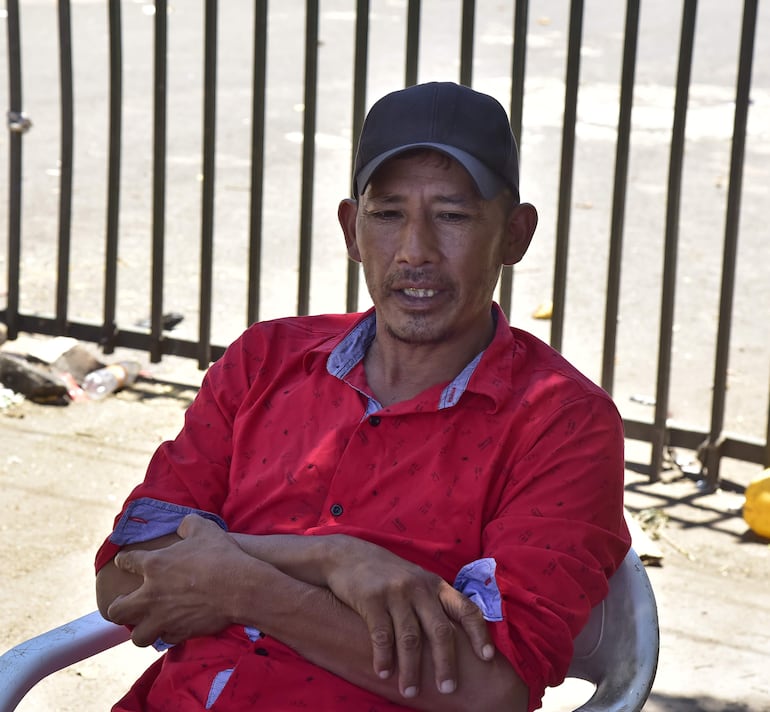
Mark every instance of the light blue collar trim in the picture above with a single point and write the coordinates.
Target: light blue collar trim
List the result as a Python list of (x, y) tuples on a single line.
[(352, 349), (451, 394)]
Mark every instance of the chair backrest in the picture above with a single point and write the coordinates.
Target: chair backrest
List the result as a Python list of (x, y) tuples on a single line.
[(618, 648)]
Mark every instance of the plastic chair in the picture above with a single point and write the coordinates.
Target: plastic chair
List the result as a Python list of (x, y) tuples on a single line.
[(617, 650)]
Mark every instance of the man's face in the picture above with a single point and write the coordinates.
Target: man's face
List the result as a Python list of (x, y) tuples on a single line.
[(431, 248)]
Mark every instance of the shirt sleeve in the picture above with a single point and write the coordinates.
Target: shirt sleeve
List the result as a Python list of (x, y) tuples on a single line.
[(556, 538), (191, 471)]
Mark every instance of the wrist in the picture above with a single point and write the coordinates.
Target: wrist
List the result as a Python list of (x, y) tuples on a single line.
[(249, 588), (326, 556)]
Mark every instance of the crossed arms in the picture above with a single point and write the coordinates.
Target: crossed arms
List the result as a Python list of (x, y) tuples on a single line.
[(349, 606)]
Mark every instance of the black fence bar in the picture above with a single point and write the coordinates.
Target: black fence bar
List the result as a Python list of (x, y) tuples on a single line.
[(466, 42), (17, 124), (678, 436), (668, 292), (710, 456), (766, 454), (139, 341), (258, 115), (412, 42), (518, 67), (207, 197), (617, 220), (158, 179), (110, 327), (66, 159), (360, 65), (516, 112), (564, 209), (308, 156)]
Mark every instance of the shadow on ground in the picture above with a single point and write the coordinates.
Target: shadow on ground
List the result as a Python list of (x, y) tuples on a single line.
[(672, 703)]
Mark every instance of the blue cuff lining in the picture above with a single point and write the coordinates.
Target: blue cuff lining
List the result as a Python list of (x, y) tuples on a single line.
[(477, 581), (147, 518)]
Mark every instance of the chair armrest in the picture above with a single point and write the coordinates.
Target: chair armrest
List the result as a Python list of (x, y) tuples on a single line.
[(29, 662)]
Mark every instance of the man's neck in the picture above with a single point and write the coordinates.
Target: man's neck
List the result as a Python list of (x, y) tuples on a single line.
[(397, 371)]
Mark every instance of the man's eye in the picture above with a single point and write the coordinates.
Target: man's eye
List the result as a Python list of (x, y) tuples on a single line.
[(385, 214), (453, 217)]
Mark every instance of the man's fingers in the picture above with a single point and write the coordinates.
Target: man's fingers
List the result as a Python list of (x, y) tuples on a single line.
[(477, 630), (381, 636), (115, 612), (441, 638), (145, 634), (131, 561), (468, 616), (397, 635), (408, 639), (123, 611), (190, 524)]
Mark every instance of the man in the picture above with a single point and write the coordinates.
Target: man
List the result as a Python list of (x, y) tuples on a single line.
[(413, 508)]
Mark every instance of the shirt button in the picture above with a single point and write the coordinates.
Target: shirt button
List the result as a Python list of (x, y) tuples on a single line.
[(336, 510), (375, 420)]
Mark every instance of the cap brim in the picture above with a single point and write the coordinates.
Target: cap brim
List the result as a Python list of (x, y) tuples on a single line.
[(487, 182)]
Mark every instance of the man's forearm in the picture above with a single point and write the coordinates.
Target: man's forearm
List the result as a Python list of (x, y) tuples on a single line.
[(249, 581), (301, 557), (312, 621)]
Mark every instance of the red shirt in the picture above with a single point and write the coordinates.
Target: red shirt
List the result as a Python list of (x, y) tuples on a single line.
[(510, 476)]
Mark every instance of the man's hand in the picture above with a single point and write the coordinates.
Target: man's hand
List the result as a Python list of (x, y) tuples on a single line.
[(186, 587), (404, 605)]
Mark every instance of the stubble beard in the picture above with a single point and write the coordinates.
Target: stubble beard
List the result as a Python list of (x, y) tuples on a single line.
[(418, 331)]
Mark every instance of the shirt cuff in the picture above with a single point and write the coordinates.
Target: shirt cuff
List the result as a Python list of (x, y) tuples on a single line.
[(147, 518), (477, 581)]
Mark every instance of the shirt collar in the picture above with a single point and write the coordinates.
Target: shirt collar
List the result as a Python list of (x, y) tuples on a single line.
[(484, 374)]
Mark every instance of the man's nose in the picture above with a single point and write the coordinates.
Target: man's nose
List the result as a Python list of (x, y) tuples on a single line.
[(418, 242)]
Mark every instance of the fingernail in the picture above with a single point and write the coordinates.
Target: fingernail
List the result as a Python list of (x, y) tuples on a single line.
[(384, 674), (411, 691), (488, 651), (447, 686)]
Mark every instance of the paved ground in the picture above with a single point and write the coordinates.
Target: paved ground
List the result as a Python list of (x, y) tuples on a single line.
[(64, 471)]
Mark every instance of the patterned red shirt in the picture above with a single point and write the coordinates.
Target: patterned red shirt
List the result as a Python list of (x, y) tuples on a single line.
[(507, 481)]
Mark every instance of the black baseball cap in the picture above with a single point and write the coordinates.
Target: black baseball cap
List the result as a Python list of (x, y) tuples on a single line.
[(467, 125)]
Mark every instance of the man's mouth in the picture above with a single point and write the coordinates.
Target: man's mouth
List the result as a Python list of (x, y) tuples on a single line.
[(419, 293)]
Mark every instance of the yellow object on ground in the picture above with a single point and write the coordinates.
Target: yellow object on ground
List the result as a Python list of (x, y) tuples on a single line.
[(756, 509)]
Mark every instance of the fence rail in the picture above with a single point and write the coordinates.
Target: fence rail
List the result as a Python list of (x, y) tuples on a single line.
[(471, 32)]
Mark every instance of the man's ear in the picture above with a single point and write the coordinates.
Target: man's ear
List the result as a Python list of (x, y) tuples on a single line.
[(346, 214), (522, 222)]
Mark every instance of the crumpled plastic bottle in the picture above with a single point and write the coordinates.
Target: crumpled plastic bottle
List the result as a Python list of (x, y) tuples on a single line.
[(100, 383)]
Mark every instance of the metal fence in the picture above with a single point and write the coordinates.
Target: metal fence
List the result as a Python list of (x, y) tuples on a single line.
[(335, 58)]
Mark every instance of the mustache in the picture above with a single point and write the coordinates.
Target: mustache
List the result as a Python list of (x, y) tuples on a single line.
[(417, 278)]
